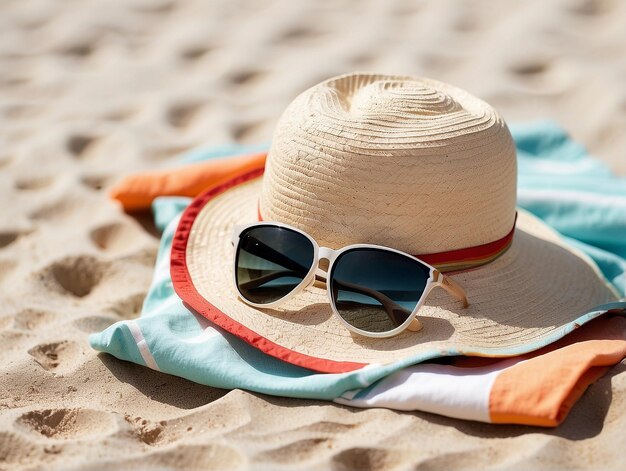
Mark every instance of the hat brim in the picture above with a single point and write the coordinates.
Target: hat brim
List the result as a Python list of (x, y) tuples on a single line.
[(532, 295)]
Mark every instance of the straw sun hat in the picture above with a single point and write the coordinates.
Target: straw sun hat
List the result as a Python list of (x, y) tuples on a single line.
[(409, 163)]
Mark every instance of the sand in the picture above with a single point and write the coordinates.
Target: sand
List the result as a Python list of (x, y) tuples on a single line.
[(90, 91)]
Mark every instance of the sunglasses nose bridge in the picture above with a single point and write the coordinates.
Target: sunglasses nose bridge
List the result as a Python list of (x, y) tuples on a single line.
[(324, 256), (326, 253)]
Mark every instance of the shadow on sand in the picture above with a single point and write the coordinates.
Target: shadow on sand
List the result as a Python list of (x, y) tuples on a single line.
[(161, 387)]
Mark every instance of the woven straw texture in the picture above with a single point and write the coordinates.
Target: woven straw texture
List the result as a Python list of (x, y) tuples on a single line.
[(522, 297), (416, 165), (391, 160)]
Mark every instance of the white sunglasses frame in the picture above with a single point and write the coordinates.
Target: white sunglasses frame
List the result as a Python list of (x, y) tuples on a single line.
[(435, 279)]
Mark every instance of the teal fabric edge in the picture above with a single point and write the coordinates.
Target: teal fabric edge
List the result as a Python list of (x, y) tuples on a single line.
[(293, 381), (242, 366), (119, 342)]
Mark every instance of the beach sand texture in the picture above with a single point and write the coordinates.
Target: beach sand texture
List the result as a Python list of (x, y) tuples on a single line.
[(90, 91)]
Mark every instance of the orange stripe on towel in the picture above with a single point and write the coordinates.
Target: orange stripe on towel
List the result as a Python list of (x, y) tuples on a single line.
[(137, 191), (542, 389)]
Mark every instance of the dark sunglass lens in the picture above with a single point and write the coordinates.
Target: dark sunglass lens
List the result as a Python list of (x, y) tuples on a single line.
[(376, 290), (271, 262)]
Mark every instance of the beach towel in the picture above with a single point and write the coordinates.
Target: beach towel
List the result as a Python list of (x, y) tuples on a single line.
[(558, 182)]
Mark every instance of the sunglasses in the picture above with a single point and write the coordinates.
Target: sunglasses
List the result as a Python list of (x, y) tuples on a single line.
[(375, 291)]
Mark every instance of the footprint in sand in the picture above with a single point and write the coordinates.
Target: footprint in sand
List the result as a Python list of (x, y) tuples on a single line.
[(11, 341), (60, 208), (78, 145), (299, 451), (33, 183), (77, 276), (181, 114), (91, 324), (371, 458), (128, 306), (243, 131), (33, 319), (64, 424), (216, 418), (150, 433), (116, 237), (120, 114), (8, 237), (79, 50), (57, 357), (591, 8), (195, 457), (310, 442), (529, 68), (245, 77), (194, 53), (299, 34), (327, 427), (96, 182)]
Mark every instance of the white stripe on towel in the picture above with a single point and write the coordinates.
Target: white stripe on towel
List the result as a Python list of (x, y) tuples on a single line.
[(440, 389), (135, 331)]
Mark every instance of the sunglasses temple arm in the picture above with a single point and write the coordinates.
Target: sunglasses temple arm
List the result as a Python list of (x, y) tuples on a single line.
[(389, 305), (260, 281), (452, 287)]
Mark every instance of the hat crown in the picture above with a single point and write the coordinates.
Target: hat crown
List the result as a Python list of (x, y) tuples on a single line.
[(401, 100), (406, 162)]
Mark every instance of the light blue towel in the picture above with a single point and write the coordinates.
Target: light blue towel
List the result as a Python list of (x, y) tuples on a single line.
[(558, 181)]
